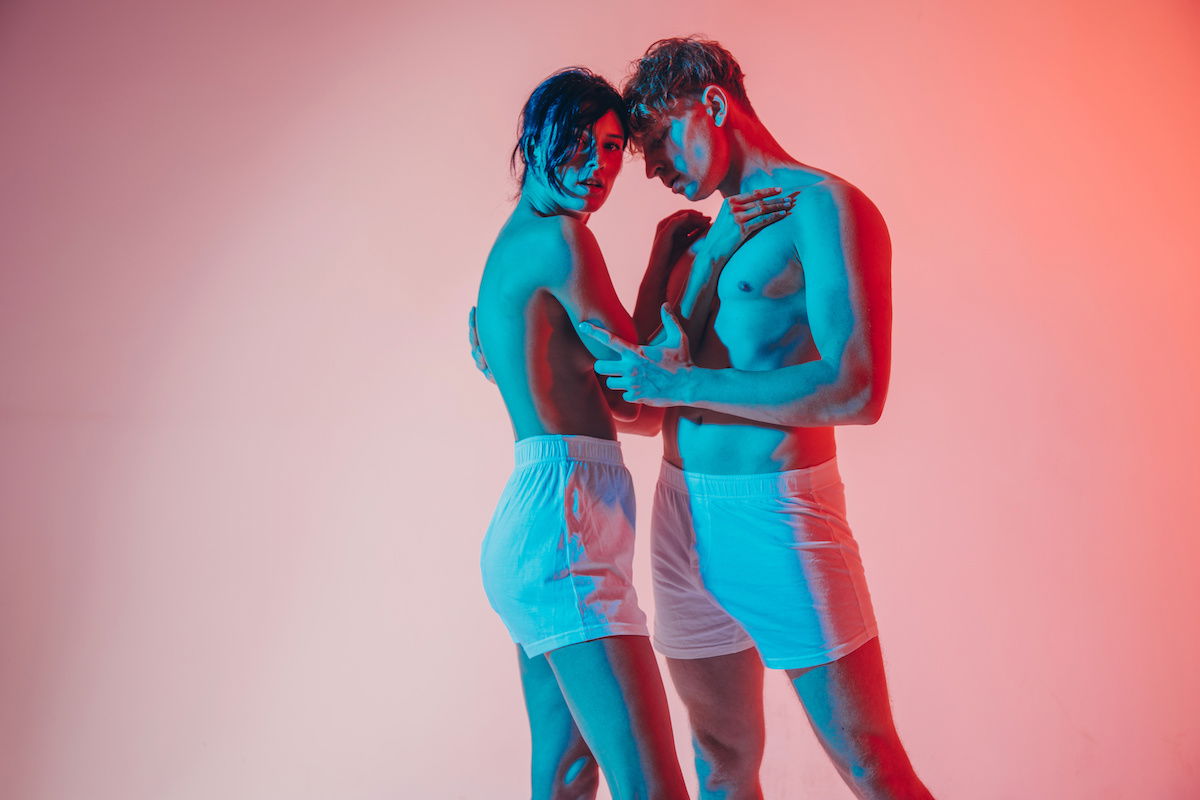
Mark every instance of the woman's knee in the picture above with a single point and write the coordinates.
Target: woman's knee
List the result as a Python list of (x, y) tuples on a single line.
[(573, 775)]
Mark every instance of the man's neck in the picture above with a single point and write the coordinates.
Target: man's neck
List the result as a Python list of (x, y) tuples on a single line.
[(753, 156)]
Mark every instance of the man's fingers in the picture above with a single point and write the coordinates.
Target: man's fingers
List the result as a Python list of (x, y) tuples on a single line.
[(671, 328), (605, 337), (618, 383), (603, 367)]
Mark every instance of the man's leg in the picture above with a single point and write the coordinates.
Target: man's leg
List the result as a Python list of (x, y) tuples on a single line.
[(847, 704), (723, 695), (562, 766), (616, 697)]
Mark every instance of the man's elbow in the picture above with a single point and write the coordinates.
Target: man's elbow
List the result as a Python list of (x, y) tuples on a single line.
[(869, 415), (862, 402), (869, 405)]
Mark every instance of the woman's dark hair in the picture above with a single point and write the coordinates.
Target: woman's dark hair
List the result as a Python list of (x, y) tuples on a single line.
[(560, 109)]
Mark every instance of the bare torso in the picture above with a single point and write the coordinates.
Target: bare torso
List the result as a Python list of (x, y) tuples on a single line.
[(543, 371), (759, 321)]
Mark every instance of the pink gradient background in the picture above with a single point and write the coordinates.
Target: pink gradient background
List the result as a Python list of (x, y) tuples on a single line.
[(246, 463)]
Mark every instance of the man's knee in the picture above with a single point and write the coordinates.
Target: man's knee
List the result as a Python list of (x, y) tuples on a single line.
[(725, 759), (878, 767)]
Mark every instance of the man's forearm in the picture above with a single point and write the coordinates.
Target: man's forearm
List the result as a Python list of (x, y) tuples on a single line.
[(812, 394)]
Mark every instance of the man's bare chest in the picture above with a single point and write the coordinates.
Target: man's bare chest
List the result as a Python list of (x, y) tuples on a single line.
[(759, 312), (767, 267)]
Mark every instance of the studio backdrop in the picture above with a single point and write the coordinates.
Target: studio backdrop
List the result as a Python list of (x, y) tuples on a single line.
[(246, 462)]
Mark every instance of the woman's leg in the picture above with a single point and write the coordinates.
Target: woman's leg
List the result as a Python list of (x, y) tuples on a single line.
[(562, 766), (616, 696)]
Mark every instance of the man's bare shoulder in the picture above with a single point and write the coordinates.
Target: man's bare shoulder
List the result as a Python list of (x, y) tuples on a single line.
[(833, 200), (836, 224)]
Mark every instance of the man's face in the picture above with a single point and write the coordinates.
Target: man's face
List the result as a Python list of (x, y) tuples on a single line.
[(686, 150), (589, 175)]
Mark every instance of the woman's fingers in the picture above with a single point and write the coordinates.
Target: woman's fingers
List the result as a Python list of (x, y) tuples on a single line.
[(750, 198), (763, 221), (748, 219)]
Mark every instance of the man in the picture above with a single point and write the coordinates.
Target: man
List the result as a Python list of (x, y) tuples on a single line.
[(753, 560), (557, 556)]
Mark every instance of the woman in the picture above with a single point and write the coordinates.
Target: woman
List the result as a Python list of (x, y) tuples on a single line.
[(557, 557)]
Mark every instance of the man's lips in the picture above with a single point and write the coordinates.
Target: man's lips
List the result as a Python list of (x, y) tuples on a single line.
[(593, 183)]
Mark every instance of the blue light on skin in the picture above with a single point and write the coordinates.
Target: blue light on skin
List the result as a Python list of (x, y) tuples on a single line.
[(573, 771), (587, 177), (609, 685), (685, 137)]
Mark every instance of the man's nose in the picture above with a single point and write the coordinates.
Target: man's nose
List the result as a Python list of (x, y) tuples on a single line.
[(652, 166)]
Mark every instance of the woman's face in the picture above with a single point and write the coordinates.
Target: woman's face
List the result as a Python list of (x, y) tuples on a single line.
[(590, 173)]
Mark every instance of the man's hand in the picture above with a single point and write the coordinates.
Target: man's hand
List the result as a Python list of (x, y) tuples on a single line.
[(657, 374), (477, 351)]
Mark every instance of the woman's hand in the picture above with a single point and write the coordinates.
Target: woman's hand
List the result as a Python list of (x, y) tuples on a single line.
[(744, 215), (476, 350), (675, 234)]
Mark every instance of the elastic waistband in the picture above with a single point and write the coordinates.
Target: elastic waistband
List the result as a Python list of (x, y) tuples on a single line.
[(765, 484), (568, 448)]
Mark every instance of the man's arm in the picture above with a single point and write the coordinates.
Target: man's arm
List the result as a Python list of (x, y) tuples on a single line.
[(846, 255), (583, 287)]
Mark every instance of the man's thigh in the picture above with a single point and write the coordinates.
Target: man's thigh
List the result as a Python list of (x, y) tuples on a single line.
[(723, 696), (847, 703)]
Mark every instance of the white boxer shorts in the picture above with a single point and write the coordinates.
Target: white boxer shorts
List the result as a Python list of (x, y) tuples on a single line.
[(557, 560), (764, 561)]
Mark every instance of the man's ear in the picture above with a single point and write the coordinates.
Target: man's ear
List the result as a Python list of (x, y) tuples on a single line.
[(715, 103)]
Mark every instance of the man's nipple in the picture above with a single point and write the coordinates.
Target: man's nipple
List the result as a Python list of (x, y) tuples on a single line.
[(744, 286)]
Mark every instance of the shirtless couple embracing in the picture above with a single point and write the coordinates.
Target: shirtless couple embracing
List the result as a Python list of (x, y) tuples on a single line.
[(753, 336)]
